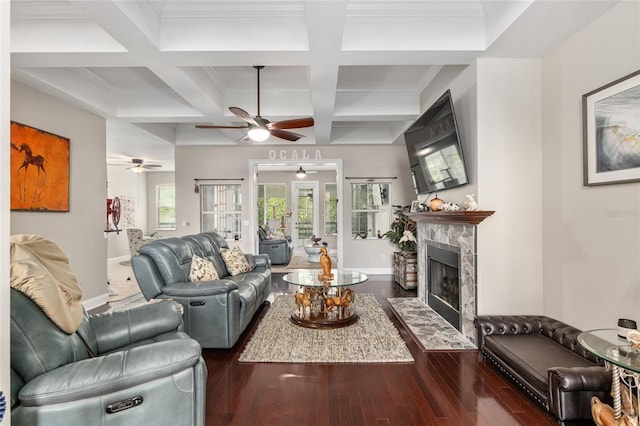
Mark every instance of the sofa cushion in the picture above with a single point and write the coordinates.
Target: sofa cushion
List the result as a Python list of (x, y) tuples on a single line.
[(532, 355), (235, 261), (202, 270)]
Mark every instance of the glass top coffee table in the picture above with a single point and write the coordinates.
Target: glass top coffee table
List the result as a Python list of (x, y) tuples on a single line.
[(620, 355), (324, 303)]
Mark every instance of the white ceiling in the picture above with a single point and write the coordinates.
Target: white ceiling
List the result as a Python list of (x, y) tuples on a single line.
[(155, 68)]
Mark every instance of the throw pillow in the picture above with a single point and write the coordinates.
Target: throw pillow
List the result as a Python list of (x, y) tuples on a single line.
[(202, 270), (235, 260)]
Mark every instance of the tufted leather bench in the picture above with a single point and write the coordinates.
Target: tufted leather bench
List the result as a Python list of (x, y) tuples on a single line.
[(542, 355)]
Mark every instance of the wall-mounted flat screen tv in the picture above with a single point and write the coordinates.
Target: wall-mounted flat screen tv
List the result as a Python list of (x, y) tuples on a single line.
[(435, 152)]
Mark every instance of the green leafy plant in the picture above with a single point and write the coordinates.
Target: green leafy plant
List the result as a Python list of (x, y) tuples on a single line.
[(403, 230)]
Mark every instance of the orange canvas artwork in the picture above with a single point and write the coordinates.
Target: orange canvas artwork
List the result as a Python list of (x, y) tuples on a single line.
[(39, 170)]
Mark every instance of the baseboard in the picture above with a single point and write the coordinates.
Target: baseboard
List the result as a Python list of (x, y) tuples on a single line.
[(118, 259), (94, 302)]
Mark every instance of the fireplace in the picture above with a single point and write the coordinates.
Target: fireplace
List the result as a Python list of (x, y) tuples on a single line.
[(443, 281), (453, 231)]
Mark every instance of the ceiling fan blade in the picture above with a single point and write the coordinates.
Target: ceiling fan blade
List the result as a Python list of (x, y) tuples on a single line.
[(245, 138), (283, 134), (295, 123), (219, 127), (151, 166), (239, 112)]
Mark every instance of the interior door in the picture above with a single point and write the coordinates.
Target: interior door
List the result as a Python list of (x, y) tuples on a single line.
[(305, 214)]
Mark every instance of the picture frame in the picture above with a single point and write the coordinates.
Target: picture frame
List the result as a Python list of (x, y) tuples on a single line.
[(39, 170), (415, 205), (611, 130)]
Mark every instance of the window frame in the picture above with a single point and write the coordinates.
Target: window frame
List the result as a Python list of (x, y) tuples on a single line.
[(384, 207), (166, 227), (236, 215)]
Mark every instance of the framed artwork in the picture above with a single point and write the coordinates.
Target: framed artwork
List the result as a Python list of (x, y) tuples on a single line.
[(611, 132), (415, 205), (39, 170)]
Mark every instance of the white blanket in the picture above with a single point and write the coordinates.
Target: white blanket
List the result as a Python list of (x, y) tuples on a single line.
[(41, 271)]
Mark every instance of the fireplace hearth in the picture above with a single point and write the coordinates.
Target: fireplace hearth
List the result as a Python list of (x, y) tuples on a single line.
[(443, 281)]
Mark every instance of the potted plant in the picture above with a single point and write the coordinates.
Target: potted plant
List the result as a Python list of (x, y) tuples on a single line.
[(403, 234), (403, 230)]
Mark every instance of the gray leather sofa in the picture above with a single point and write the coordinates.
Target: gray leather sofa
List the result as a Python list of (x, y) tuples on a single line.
[(122, 368), (215, 312), (542, 355)]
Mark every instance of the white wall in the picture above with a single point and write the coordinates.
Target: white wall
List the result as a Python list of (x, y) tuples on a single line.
[(79, 232), (374, 256), (510, 182), (591, 234)]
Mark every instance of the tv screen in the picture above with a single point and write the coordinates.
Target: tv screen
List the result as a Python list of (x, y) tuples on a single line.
[(435, 152)]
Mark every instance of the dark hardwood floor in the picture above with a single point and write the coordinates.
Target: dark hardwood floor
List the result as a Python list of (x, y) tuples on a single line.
[(440, 388)]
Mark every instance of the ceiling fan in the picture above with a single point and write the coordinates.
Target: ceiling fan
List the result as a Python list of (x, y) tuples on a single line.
[(137, 165), (260, 128)]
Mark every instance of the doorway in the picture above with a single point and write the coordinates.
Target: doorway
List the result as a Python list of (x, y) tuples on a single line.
[(290, 166)]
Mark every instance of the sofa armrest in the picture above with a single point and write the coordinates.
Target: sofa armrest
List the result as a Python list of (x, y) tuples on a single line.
[(117, 329), (199, 288), (571, 389), (259, 260), (111, 373), (569, 379)]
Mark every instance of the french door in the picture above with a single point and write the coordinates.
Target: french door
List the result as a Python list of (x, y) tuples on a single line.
[(305, 214)]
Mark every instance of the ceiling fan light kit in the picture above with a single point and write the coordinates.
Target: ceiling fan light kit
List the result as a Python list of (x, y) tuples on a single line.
[(258, 134), (260, 128)]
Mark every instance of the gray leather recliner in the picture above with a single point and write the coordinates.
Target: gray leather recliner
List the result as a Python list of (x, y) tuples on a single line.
[(121, 368), (279, 250), (215, 312)]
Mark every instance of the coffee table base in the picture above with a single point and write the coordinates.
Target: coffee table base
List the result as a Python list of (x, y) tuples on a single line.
[(323, 322)]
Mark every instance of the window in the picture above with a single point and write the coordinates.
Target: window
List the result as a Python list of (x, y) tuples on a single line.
[(221, 210), (370, 210), (165, 206), (272, 202), (330, 209)]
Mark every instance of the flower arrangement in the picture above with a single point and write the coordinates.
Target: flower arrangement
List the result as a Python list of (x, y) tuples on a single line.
[(403, 230)]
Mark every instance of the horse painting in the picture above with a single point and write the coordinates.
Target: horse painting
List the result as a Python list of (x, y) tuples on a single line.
[(39, 170), (30, 160)]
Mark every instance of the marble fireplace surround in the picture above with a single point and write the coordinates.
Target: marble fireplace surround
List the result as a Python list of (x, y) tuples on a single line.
[(457, 229)]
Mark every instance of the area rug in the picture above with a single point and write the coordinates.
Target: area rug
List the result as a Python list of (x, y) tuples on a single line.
[(373, 339), (429, 330)]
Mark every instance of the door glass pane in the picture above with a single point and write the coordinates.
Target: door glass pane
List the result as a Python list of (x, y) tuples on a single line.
[(305, 213)]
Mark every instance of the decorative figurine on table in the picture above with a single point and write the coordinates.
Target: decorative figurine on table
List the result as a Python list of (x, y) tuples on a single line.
[(325, 263)]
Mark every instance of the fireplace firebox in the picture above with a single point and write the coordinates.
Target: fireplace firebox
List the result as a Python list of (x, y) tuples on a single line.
[(443, 282)]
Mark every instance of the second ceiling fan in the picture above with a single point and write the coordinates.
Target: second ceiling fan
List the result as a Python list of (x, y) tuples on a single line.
[(260, 128)]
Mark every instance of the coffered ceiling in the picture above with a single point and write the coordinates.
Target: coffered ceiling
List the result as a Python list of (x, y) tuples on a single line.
[(156, 68)]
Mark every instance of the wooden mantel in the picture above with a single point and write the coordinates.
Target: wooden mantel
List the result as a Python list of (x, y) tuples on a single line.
[(470, 217)]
